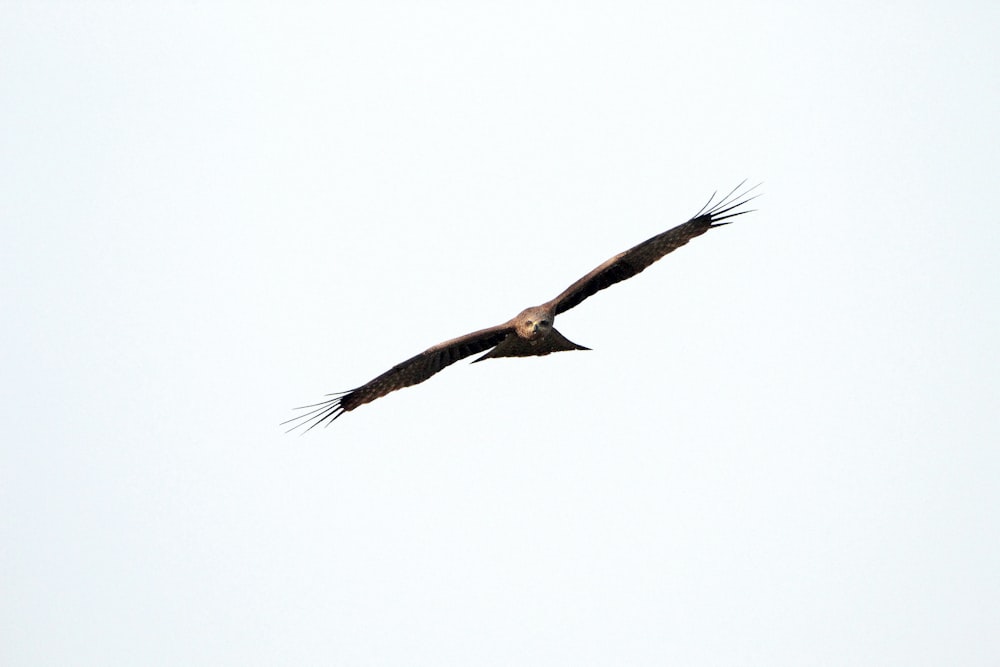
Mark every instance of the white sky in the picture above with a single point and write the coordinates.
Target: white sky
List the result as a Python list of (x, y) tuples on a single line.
[(783, 449)]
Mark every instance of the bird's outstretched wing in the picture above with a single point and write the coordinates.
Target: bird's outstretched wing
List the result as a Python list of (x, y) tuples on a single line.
[(627, 264), (412, 371)]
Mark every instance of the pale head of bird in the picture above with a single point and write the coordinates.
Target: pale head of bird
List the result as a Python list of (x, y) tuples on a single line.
[(534, 323)]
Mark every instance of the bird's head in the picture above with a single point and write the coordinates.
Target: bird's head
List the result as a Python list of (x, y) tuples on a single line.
[(534, 323)]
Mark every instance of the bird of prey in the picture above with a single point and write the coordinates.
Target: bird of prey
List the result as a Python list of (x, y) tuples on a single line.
[(530, 332)]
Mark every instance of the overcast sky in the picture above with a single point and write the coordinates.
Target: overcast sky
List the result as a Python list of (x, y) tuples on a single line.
[(782, 450)]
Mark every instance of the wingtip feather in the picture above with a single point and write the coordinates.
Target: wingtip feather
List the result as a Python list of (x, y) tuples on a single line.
[(324, 412)]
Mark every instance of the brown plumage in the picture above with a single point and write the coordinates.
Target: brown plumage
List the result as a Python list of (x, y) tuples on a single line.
[(530, 333)]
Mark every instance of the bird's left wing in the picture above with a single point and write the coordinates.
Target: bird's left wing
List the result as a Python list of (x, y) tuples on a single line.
[(627, 264), (410, 372)]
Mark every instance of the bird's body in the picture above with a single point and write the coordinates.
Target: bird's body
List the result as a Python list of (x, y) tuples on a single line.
[(530, 332)]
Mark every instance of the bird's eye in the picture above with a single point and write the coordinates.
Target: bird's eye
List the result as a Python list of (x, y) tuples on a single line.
[(528, 323), (545, 323)]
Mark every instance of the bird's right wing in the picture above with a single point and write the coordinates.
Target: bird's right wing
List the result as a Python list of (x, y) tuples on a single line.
[(410, 372)]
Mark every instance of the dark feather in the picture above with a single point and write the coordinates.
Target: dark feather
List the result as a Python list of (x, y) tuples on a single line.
[(412, 371), (515, 346), (627, 264)]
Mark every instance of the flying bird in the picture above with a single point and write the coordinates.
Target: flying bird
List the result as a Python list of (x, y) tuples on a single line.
[(530, 332)]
